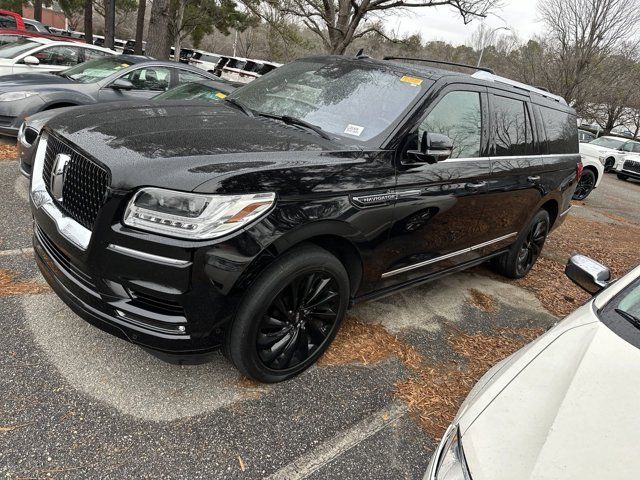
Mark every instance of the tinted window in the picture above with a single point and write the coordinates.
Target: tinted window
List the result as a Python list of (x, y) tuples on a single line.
[(355, 99), (58, 56), (636, 148), (7, 22), (90, 54), (458, 116), (184, 76), (562, 131), (511, 127), (30, 28), (150, 78)]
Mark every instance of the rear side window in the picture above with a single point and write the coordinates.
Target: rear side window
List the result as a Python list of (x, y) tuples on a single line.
[(511, 127), (458, 116), (562, 130)]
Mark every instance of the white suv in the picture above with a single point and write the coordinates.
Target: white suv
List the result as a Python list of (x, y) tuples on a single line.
[(609, 150)]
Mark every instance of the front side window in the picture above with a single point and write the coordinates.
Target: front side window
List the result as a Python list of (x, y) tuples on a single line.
[(458, 116), (511, 127), (150, 78), (58, 56), (354, 99)]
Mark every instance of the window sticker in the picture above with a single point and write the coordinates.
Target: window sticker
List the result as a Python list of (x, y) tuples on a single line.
[(354, 130), (221, 95), (411, 80)]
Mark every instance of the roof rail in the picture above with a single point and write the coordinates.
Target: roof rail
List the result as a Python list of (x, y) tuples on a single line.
[(490, 77), (440, 62)]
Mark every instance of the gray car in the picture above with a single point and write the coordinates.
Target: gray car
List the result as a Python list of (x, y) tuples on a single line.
[(109, 79)]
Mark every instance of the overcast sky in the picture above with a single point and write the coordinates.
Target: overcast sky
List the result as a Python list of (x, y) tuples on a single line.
[(445, 23)]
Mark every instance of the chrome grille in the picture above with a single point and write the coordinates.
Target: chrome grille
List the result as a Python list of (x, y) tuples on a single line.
[(632, 166), (85, 184)]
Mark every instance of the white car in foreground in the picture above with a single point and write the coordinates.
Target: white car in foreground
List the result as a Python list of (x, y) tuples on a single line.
[(609, 150), (40, 55), (592, 173), (564, 407)]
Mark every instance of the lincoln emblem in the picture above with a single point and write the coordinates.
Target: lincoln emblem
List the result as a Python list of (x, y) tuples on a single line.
[(56, 182)]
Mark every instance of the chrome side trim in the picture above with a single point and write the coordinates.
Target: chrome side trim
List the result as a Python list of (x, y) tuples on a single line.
[(67, 227), (566, 211), (448, 255), (509, 157), (148, 256)]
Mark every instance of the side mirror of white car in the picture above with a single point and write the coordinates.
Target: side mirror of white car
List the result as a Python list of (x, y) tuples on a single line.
[(588, 274), (30, 60)]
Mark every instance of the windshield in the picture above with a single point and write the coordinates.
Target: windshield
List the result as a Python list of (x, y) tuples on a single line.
[(345, 97), (607, 142), (12, 50), (95, 70), (193, 91)]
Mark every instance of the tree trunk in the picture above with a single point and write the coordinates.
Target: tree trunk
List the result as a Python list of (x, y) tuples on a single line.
[(88, 21), (159, 43), (142, 7), (179, 16), (109, 32), (37, 10)]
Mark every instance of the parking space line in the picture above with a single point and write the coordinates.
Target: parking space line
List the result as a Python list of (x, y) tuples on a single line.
[(16, 251), (342, 442)]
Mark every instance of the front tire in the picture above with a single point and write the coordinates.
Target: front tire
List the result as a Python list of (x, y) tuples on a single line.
[(522, 255), (289, 315), (585, 186)]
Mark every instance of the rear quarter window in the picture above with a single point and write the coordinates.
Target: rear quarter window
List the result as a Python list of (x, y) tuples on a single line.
[(561, 129)]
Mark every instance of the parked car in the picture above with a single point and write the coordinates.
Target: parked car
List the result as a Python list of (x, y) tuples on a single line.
[(204, 60), (106, 79), (609, 150), (585, 136), (629, 168), (558, 409), (11, 36), (243, 70), (35, 26), (254, 223), (39, 55), (12, 20), (592, 174), (206, 90)]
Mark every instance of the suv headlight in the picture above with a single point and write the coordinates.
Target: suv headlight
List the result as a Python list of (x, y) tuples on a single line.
[(450, 464), (194, 216)]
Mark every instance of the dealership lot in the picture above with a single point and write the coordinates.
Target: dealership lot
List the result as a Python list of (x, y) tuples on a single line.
[(79, 403)]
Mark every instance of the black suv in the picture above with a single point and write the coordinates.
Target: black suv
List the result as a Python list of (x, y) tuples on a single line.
[(255, 223)]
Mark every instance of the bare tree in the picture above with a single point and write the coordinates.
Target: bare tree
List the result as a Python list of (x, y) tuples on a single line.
[(581, 34), (37, 10), (88, 21), (158, 38), (339, 22)]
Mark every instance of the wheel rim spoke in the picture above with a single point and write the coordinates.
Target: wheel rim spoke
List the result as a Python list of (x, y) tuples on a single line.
[(317, 291)]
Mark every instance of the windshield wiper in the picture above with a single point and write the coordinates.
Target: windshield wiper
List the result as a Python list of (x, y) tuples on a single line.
[(297, 121), (635, 321), (240, 106)]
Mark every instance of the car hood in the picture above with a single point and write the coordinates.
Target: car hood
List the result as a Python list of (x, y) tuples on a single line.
[(570, 413), (588, 149), (182, 144), (20, 81)]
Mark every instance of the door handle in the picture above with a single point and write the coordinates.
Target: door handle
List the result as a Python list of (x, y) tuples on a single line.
[(475, 186), (534, 178)]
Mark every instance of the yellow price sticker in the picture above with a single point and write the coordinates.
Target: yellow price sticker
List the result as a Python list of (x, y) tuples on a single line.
[(221, 95), (411, 80)]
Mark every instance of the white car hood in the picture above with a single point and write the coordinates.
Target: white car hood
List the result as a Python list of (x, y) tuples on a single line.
[(589, 149), (571, 413)]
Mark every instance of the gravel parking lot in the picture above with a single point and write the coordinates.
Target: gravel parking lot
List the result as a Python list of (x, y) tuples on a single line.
[(78, 403)]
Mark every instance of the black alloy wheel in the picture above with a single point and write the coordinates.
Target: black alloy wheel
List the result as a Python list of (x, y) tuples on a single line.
[(532, 246), (585, 185), (299, 320), (288, 315)]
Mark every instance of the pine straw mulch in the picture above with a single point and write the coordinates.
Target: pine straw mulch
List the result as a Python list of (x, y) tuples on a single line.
[(613, 245), (8, 152), (366, 344), (10, 286), (434, 394), (484, 302)]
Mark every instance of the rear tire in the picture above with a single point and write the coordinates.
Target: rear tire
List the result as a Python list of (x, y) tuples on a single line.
[(622, 176), (585, 186), (289, 315), (522, 255)]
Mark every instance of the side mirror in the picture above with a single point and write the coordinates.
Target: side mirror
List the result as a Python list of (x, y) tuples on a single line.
[(30, 60), (434, 147), (121, 84), (588, 274)]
